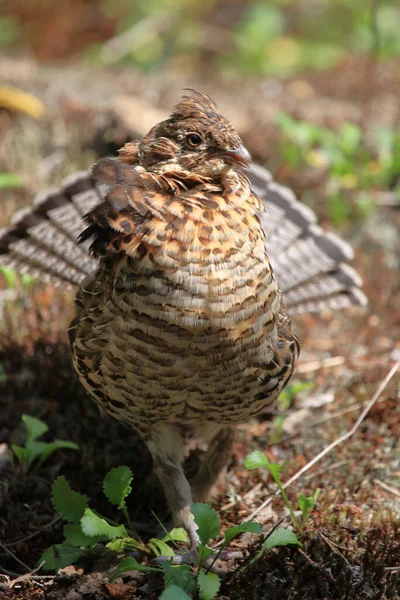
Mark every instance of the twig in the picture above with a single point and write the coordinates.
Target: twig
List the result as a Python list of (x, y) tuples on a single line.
[(28, 537), (333, 547), (336, 465), (315, 365), (335, 443), (387, 488), (335, 415), (15, 558)]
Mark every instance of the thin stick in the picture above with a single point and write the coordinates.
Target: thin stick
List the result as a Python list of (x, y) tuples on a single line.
[(16, 558), (28, 537), (335, 443), (387, 488), (315, 365)]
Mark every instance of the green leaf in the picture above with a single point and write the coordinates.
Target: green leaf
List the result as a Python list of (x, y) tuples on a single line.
[(116, 485), (93, 525), (74, 535), (177, 534), (179, 575), (35, 428), (131, 564), (207, 521), (281, 537), (24, 457), (10, 275), (247, 526), (121, 544), (255, 460), (50, 448), (35, 449), (68, 503), (160, 548), (59, 556), (10, 181), (173, 592), (287, 395), (204, 552), (209, 584), (306, 504)]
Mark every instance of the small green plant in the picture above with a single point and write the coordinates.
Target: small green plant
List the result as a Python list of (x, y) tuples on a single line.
[(10, 181), (184, 577), (86, 528), (353, 165), (285, 402), (35, 452), (12, 278), (256, 460)]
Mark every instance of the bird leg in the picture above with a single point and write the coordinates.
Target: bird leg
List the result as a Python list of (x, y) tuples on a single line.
[(219, 451), (167, 449)]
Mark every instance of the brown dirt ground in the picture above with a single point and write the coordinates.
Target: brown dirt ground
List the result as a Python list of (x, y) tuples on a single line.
[(351, 542)]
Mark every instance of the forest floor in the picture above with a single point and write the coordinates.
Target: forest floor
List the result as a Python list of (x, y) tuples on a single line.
[(351, 542)]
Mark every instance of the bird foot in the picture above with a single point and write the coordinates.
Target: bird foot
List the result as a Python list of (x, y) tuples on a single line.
[(192, 558)]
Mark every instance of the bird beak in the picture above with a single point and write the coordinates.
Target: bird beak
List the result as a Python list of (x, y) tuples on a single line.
[(240, 155)]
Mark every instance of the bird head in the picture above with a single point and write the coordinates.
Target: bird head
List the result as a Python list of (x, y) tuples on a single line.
[(196, 138)]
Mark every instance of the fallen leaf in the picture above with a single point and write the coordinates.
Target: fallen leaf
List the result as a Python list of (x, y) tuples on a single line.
[(120, 591), (16, 100)]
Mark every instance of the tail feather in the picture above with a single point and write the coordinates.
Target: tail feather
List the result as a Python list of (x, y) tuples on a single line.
[(25, 267), (27, 251), (43, 240), (310, 264)]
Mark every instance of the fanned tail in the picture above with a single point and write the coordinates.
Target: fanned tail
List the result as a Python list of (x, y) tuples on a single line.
[(310, 264), (42, 240)]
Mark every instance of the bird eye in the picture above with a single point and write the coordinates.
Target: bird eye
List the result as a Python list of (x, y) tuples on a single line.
[(193, 140)]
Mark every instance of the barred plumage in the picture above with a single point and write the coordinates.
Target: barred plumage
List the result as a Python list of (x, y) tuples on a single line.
[(179, 317)]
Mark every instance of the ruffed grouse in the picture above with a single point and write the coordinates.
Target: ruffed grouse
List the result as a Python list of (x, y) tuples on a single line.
[(180, 322)]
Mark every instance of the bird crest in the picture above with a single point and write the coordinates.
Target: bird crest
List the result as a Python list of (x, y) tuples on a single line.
[(197, 105)]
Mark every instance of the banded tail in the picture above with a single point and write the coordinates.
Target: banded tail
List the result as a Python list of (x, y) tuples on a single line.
[(311, 265)]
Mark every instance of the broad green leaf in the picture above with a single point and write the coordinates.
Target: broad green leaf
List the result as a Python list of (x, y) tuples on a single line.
[(116, 485), (74, 535), (247, 526), (180, 575), (68, 503), (50, 448), (59, 556), (177, 534), (160, 548), (173, 592), (209, 584), (121, 544), (204, 552), (207, 521), (93, 525), (306, 504), (255, 460), (35, 428), (131, 564), (281, 537), (35, 448)]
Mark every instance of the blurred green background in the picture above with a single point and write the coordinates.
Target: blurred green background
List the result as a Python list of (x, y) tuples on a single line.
[(256, 37)]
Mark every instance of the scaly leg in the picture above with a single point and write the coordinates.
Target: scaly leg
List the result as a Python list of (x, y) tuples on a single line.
[(167, 449)]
